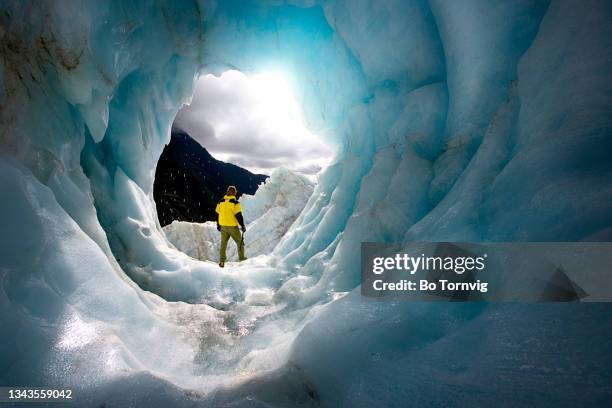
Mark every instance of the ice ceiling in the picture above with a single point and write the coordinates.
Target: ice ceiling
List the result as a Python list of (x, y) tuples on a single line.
[(471, 120)]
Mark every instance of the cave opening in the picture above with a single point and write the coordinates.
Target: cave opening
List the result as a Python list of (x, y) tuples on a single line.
[(240, 130)]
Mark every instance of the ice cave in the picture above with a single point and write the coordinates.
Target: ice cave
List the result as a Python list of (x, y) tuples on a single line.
[(470, 120)]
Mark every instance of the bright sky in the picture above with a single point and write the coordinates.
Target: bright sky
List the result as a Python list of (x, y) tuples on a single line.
[(254, 122)]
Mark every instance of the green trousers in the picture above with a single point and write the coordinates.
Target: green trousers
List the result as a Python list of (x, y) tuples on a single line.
[(226, 233)]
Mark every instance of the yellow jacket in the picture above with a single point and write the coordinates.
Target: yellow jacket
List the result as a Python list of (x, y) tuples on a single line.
[(230, 213)]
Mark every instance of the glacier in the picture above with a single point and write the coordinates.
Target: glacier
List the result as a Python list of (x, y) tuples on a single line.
[(458, 121)]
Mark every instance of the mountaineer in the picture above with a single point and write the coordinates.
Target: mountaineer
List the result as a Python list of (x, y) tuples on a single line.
[(230, 216)]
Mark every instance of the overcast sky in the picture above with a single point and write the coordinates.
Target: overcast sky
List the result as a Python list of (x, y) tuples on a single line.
[(254, 122)]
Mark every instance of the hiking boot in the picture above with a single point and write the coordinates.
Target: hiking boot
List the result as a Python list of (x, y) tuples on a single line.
[(221, 264)]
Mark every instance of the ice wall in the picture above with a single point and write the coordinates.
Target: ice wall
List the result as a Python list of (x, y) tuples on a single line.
[(472, 120)]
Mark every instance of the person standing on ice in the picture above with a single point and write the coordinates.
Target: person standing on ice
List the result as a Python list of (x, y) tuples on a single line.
[(230, 216)]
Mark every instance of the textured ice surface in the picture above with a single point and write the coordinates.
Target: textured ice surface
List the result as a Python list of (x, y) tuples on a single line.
[(472, 120), (268, 215)]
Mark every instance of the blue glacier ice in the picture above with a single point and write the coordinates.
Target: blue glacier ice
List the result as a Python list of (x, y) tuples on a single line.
[(471, 120)]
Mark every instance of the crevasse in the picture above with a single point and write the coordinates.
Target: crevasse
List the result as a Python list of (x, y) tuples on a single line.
[(471, 121)]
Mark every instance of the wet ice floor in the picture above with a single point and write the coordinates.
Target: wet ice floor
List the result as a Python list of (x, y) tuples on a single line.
[(241, 335)]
